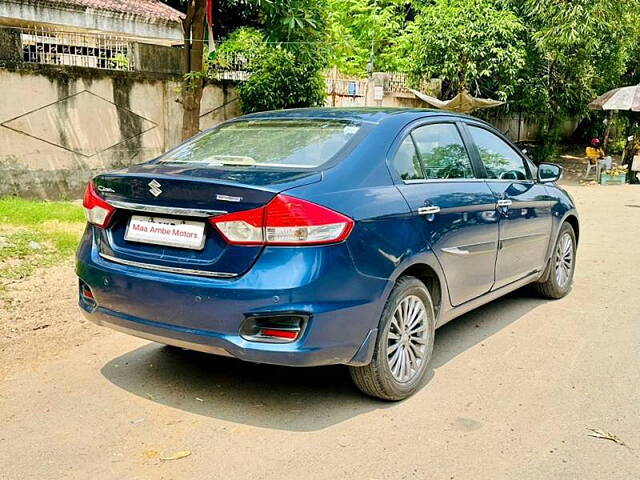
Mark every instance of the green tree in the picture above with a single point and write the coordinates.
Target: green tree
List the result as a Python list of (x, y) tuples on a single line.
[(470, 44), (286, 72), (193, 26), (280, 80), (575, 51), (582, 49), (285, 68), (299, 26), (358, 27)]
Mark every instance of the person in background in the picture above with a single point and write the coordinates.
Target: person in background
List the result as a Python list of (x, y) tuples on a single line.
[(594, 151), (596, 157)]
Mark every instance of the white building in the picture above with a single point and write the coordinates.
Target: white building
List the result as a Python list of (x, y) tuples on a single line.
[(88, 33), (146, 21)]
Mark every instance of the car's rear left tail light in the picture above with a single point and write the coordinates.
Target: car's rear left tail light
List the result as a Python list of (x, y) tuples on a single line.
[(285, 220), (97, 211)]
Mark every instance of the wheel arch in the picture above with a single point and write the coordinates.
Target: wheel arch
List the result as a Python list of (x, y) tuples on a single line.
[(427, 270), (572, 220)]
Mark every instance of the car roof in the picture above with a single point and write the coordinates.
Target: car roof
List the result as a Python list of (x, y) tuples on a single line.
[(361, 114)]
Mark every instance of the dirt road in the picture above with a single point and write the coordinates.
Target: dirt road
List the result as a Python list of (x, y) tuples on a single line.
[(513, 389)]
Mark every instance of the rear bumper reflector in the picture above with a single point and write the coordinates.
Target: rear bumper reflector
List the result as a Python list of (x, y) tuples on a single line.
[(274, 328)]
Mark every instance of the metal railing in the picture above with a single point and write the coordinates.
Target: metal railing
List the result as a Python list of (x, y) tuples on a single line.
[(396, 82), (344, 86), (229, 66), (55, 47)]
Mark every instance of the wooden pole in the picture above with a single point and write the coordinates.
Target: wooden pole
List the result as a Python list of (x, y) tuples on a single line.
[(194, 49), (607, 130)]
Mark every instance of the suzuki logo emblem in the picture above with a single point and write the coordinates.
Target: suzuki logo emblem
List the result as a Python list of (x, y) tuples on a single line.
[(154, 188)]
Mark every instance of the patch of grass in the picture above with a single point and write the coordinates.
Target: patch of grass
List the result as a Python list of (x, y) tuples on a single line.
[(36, 234), (19, 211)]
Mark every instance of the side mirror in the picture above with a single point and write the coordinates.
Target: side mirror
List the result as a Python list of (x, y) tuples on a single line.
[(549, 172)]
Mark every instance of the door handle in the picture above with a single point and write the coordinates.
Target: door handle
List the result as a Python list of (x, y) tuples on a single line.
[(504, 203), (432, 210)]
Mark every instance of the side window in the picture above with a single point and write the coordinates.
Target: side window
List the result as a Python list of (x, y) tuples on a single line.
[(406, 161), (442, 151), (500, 160)]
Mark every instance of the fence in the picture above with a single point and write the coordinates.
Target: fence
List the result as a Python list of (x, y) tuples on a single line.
[(399, 84), (55, 47), (339, 86), (229, 66)]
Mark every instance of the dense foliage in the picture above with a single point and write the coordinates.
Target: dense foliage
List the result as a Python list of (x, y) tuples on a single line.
[(546, 58), (363, 31), (284, 43), (280, 80), (470, 44), (286, 68)]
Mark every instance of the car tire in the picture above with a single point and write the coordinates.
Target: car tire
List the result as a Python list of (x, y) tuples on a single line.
[(562, 266), (404, 345)]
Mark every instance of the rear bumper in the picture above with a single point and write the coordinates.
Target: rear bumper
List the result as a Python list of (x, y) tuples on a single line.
[(206, 314)]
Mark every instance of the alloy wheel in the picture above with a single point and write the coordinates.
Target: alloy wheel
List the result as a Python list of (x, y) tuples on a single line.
[(564, 260), (407, 339)]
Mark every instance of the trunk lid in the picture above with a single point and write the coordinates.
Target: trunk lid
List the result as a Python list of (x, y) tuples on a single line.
[(191, 194)]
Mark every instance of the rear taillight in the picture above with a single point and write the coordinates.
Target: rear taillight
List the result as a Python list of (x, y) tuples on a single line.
[(96, 209), (284, 221)]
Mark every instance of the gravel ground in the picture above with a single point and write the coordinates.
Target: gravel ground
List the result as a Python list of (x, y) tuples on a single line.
[(513, 389)]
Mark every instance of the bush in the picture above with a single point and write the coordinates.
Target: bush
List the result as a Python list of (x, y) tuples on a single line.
[(280, 80), (616, 146), (244, 41)]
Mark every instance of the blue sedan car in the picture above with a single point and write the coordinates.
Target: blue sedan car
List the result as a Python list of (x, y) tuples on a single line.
[(324, 236)]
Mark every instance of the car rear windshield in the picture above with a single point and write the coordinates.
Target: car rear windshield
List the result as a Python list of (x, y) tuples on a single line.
[(267, 143)]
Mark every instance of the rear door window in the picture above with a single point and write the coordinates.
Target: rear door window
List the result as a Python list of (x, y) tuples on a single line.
[(406, 162), (500, 160), (442, 151)]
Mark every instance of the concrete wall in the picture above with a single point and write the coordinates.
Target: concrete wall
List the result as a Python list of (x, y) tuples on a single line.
[(158, 58), (61, 126), (520, 128)]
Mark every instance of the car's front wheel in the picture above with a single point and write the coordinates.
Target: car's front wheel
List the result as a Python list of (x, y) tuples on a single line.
[(404, 345), (563, 263)]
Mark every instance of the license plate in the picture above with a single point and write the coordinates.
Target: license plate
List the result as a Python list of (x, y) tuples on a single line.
[(166, 231)]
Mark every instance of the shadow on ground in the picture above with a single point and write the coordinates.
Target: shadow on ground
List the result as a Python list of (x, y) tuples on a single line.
[(293, 399)]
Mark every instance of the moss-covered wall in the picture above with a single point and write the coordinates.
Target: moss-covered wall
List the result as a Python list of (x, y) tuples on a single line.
[(10, 45)]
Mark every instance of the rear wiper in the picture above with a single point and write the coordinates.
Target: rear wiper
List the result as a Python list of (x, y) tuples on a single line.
[(217, 160), (238, 160)]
